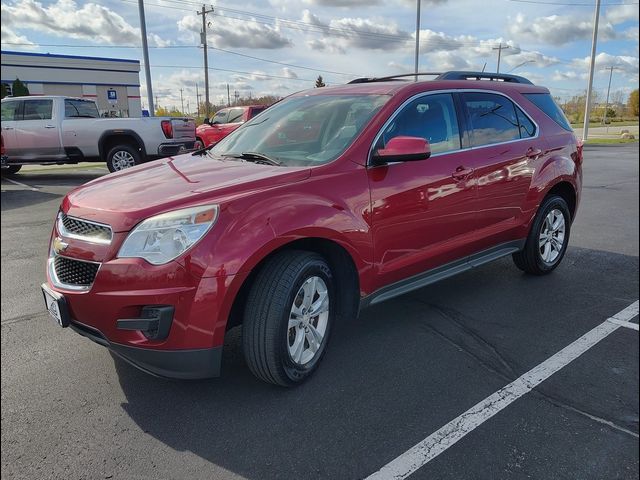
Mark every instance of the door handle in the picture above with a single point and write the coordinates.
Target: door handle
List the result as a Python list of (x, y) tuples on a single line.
[(49, 126), (461, 173), (533, 152), (7, 128)]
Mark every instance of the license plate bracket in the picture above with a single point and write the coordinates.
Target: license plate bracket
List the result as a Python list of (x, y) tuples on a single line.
[(56, 305)]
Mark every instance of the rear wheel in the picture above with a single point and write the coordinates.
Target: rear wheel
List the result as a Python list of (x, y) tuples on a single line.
[(548, 238), (11, 169), (288, 317), (122, 157)]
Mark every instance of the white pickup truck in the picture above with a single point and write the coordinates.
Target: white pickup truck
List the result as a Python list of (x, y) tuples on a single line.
[(54, 130)]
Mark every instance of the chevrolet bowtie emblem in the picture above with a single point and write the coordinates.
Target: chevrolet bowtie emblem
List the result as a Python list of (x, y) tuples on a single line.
[(59, 246)]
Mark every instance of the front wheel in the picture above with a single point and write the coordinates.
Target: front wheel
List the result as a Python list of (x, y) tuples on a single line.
[(548, 239), (122, 157), (288, 316), (11, 169)]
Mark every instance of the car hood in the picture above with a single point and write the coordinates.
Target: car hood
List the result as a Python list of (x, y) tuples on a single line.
[(125, 198)]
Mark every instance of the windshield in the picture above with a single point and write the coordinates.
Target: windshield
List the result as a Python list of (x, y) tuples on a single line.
[(300, 131)]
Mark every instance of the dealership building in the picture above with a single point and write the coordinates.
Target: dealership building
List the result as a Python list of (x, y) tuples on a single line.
[(113, 83)]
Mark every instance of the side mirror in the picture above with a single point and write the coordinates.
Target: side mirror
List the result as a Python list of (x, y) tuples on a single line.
[(207, 120), (402, 149)]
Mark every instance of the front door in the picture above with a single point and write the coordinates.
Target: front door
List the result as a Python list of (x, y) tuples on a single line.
[(422, 211)]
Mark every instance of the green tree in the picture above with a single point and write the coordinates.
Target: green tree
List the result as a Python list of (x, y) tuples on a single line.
[(320, 82), (5, 92), (19, 89), (633, 103)]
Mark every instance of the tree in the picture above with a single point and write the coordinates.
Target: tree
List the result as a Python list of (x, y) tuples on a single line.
[(19, 89), (320, 82), (5, 92), (633, 103)]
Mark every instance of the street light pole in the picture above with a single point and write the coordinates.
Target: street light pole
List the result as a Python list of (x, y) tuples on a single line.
[(500, 48), (145, 55), (594, 43), (417, 55)]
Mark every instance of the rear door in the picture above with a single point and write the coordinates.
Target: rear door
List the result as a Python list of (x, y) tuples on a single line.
[(37, 131), (505, 147), (10, 111)]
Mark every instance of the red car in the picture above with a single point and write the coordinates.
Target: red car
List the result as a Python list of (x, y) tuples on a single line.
[(224, 122), (334, 199)]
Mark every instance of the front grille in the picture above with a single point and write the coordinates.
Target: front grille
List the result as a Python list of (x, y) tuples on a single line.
[(75, 272), (75, 227)]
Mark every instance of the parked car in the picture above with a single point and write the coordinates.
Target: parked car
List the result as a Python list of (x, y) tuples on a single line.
[(224, 122), (55, 130), (341, 197)]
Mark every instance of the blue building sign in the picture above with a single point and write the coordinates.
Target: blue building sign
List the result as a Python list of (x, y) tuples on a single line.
[(112, 95)]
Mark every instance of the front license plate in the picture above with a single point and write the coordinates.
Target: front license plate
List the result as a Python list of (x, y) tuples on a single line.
[(56, 305)]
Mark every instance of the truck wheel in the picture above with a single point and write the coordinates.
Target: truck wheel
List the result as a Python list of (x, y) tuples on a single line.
[(548, 239), (288, 317), (122, 157), (11, 169)]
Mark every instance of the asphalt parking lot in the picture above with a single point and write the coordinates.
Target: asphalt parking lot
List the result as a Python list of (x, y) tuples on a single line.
[(391, 378)]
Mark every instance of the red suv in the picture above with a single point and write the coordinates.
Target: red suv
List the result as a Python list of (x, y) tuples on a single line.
[(333, 199), (224, 122)]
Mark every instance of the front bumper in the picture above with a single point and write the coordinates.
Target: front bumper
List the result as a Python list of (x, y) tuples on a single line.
[(180, 364)]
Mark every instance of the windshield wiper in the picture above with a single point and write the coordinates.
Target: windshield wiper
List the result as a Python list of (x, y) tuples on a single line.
[(256, 157)]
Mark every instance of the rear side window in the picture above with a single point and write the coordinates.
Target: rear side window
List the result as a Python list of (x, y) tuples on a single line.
[(527, 128), (432, 117), (493, 118), (545, 102), (9, 110), (80, 109), (37, 109)]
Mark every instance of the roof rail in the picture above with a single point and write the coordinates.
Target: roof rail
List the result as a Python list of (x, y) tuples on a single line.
[(503, 77), (392, 77)]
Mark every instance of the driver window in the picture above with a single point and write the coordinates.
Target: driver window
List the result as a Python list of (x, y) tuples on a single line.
[(221, 116), (432, 117)]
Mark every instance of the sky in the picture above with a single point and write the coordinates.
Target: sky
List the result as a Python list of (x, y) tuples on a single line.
[(278, 47)]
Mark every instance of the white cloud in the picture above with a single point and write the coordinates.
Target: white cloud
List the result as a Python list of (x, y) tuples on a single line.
[(65, 18), (15, 40), (558, 30), (623, 63), (621, 14), (231, 33)]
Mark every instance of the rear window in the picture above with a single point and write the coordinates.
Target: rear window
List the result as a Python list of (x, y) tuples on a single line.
[(545, 102)]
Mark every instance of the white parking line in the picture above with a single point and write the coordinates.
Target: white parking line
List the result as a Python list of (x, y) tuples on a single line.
[(15, 182), (439, 441), (622, 323)]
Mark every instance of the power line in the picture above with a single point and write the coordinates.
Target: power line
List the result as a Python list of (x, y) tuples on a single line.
[(539, 2)]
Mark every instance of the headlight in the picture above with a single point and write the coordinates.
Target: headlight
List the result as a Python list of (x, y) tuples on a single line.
[(164, 237)]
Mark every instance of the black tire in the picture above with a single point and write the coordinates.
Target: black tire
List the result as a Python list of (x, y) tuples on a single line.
[(11, 169), (113, 162), (265, 330), (530, 258)]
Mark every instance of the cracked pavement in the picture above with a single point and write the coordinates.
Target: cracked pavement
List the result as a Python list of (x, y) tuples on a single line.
[(391, 378)]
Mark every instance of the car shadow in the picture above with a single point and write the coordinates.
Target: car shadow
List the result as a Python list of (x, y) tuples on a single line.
[(401, 370)]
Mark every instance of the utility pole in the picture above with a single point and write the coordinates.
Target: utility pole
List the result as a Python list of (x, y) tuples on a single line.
[(156, 103), (417, 55), (145, 54), (606, 103), (594, 44), (228, 97), (197, 99), (181, 103), (500, 48), (203, 40), (236, 95)]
